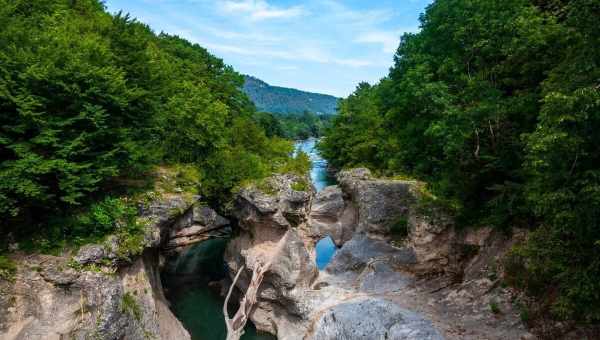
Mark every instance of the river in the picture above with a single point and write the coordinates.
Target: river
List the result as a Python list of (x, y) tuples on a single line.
[(187, 287), (319, 175)]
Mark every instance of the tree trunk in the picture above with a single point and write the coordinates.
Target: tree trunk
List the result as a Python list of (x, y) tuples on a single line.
[(235, 325)]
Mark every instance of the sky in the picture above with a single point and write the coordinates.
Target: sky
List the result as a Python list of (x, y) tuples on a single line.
[(324, 46)]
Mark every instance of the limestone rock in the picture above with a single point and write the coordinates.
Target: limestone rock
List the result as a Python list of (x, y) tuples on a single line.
[(272, 230), (90, 253), (380, 203), (331, 216), (49, 300), (195, 225), (372, 319)]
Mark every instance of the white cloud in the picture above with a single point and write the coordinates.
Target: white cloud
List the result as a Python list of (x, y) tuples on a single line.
[(388, 40), (300, 54), (258, 10)]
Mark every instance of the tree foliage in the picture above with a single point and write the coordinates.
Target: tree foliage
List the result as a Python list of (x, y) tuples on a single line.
[(294, 125), (496, 104), (87, 97)]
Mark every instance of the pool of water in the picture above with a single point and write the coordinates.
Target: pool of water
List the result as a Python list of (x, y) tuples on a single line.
[(198, 306), (325, 250), (319, 175)]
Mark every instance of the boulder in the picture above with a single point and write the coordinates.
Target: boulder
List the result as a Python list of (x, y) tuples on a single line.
[(372, 318), (381, 204)]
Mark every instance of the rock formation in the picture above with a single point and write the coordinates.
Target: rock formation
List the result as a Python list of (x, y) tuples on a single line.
[(97, 294), (392, 242)]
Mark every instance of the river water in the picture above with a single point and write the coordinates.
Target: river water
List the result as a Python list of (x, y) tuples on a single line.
[(320, 178), (319, 175), (187, 287)]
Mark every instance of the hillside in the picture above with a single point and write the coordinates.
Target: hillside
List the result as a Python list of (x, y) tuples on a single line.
[(275, 99)]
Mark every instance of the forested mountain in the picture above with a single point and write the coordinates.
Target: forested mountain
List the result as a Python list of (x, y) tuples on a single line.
[(275, 99), (496, 105)]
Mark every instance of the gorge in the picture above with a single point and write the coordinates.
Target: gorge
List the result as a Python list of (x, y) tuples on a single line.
[(398, 273), (151, 189)]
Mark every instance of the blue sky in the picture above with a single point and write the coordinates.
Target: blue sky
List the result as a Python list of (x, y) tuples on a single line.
[(325, 46)]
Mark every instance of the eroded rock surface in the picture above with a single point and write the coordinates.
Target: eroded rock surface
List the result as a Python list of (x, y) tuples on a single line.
[(378, 285), (102, 292), (372, 319), (50, 300)]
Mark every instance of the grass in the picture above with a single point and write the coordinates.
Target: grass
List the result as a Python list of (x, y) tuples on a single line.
[(130, 306), (8, 268), (300, 185)]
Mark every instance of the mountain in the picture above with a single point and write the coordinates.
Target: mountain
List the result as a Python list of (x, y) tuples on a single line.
[(275, 99)]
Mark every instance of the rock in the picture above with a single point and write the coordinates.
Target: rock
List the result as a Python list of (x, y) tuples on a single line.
[(294, 295), (195, 225), (380, 204), (114, 299), (433, 239), (206, 216), (361, 250), (58, 274), (163, 213), (331, 216), (356, 174), (90, 253), (272, 228), (370, 319), (48, 300)]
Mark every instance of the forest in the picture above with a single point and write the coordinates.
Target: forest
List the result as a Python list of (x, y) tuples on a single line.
[(91, 101), (294, 126), (496, 106)]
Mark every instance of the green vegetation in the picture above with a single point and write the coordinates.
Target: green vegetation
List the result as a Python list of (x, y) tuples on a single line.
[(294, 126), (91, 103), (300, 185), (130, 306), (7, 268), (284, 101), (496, 105), (494, 307)]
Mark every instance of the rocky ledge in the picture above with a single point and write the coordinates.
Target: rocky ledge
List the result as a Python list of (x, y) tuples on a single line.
[(100, 292), (402, 270)]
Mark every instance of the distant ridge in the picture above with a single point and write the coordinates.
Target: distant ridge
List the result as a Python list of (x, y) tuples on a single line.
[(275, 99)]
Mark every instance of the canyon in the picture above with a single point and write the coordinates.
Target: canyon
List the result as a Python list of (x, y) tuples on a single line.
[(402, 270)]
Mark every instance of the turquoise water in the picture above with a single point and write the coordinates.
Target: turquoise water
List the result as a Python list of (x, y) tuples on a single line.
[(325, 249), (193, 302), (199, 307), (320, 178), (318, 173)]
